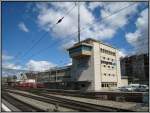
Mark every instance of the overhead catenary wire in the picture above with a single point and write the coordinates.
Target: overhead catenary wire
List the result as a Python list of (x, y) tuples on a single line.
[(90, 24), (102, 19), (105, 17), (58, 41), (18, 54), (59, 20), (44, 35), (66, 14)]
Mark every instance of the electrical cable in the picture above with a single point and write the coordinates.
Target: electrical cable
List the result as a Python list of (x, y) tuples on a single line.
[(82, 29), (47, 32), (102, 18)]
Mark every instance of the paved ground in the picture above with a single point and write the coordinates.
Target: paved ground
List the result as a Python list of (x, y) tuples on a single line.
[(42, 105), (10, 106), (124, 105)]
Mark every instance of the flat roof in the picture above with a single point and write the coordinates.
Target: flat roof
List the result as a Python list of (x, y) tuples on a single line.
[(124, 77), (90, 39), (59, 68), (79, 44), (94, 40)]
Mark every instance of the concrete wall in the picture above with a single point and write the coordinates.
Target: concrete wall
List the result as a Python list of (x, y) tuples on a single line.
[(96, 66), (124, 82), (83, 73), (95, 71), (107, 77), (118, 69)]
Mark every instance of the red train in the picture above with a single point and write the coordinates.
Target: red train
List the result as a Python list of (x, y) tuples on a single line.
[(29, 85)]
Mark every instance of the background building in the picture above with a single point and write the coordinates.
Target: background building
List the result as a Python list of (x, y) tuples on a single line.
[(95, 66), (136, 67), (55, 78)]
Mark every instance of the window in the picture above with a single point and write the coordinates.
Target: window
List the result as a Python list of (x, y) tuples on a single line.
[(106, 62), (108, 66), (83, 85), (59, 77), (109, 74), (103, 50), (112, 59), (105, 74), (104, 65), (106, 85), (114, 54), (109, 84), (108, 58), (83, 62), (103, 57), (107, 52), (102, 85)]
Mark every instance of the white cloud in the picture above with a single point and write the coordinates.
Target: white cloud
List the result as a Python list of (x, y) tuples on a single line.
[(122, 52), (6, 57), (132, 38), (39, 65), (49, 13), (93, 5), (32, 65), (11, 66), (7, 62), (23, 27), (67, 44), (139, 38)]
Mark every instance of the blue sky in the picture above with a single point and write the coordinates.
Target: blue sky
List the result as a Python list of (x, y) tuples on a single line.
[(23, 23)]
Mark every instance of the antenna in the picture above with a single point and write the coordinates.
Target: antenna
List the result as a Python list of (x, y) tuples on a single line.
[(78, 22)]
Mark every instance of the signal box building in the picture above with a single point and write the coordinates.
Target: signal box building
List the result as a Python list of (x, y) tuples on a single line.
[(95, 66)]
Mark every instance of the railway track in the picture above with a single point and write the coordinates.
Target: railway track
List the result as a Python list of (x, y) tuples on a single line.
[(77, 105), (19, 104)]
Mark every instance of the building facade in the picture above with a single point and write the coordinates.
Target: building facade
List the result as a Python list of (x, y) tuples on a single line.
[(55, 78), (136, 67), (96, 65)]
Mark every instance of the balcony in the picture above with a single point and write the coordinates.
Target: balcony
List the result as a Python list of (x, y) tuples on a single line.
[(80, 50)]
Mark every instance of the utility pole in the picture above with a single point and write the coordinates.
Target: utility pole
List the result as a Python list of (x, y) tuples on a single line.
[(78, 22)]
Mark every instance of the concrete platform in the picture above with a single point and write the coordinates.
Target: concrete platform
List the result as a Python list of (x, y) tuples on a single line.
[(104, 95), (123, 105), (10, 106), (42, 105)]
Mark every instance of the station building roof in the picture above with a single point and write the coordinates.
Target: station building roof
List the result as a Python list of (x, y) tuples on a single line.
[(88, 43)]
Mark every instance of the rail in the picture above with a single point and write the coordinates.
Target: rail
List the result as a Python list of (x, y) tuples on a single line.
[(77, 105), (19, 104)]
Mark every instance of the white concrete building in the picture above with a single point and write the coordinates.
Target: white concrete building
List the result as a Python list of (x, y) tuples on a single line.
[(96, 65)]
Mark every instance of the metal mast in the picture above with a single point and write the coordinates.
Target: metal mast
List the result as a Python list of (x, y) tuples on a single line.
[(78, 22)]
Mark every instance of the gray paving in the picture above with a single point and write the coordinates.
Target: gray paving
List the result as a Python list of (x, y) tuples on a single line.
[(121, 105), (114, 104), (10, 106), (42, 105)]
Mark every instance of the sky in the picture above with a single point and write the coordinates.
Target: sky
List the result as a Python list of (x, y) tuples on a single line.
[(32, 40)]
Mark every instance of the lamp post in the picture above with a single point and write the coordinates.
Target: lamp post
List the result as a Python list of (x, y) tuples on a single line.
[(78, 22)]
